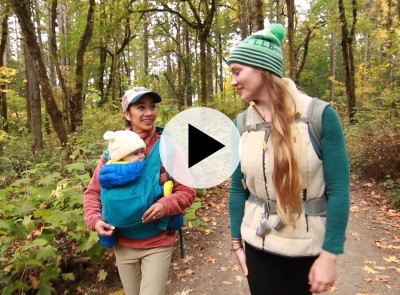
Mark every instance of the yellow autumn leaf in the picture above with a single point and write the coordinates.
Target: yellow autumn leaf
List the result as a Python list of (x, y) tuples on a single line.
[(391, 259), (236, 267), (119, 292), (369, 269)]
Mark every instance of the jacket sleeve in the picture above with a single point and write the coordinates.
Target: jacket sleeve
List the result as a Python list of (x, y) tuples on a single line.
[(237, 199), (91, 203), (337, 180)]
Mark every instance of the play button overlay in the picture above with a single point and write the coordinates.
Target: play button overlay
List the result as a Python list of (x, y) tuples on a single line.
[(199, 147)]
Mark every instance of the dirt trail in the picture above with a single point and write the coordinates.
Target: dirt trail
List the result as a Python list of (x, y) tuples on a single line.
[(370, 265)]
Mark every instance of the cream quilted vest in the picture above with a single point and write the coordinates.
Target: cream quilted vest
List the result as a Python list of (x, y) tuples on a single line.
[(307, 237)]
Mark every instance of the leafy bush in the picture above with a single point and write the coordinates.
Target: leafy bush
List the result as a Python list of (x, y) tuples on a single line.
[(42, 231), (380, 159)]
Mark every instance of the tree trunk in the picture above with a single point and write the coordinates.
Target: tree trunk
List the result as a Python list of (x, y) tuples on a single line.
[(279, 11), (210, 84), (332, 68), (291, 10), (33, 103), (348, 58), (203, 69), (22, 11), (146, 42), (398, 9), (179, 88), (76, 105), (115, 56), (3, 63), (55, 60), (188, 70), (244, 22), (257, 21), (169, 75), (300, 61)]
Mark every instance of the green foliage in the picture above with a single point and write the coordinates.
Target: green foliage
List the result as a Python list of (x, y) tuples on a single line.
[(374, 147), (42, 229), (393, 187), (191, 218)]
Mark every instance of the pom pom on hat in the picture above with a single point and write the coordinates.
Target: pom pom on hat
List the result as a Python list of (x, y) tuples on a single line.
[(122, 143), (262, 49)]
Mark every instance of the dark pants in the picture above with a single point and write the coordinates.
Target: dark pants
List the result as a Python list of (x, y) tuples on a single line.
[(271, 274)]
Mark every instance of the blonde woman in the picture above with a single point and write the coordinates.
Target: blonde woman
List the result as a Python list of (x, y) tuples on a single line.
[(288, 208)]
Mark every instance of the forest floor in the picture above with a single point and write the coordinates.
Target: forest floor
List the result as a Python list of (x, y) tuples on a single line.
[(370, 265)]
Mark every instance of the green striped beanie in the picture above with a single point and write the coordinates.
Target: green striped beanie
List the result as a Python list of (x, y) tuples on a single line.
[(262, 50)]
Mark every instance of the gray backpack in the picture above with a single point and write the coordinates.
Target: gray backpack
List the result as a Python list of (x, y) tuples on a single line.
[(314, 123)]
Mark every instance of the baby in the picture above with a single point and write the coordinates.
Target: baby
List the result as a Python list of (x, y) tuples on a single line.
[(125, 164)]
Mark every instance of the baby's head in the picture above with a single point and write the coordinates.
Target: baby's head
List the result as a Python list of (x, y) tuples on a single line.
[(125, 145)]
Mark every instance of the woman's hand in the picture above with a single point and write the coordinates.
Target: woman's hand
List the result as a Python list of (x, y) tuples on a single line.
[(103, 228), (156, 211), (241, 257), (322, 274)]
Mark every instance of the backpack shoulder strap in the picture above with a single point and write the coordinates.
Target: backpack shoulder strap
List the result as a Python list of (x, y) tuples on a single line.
[(159, 130), (315, 111)]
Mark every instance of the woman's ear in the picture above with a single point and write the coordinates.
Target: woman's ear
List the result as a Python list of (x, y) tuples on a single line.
[(127, 116)]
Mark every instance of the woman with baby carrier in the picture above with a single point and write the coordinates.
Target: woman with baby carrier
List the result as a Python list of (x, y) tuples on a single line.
[(143, 249), (289, 206)]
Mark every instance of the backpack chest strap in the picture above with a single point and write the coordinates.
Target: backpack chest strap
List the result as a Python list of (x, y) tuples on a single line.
[(311, 207), (257, 127)]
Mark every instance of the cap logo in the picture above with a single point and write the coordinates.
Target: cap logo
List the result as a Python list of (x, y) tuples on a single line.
[(140, 89)]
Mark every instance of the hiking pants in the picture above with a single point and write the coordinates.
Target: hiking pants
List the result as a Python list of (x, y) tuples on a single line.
[(143, 271), (277, 275)]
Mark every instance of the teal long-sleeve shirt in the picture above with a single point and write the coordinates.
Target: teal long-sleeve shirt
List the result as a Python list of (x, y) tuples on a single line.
[(337, 180)]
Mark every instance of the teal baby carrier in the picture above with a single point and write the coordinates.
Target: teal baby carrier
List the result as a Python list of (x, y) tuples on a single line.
[(124, 206)]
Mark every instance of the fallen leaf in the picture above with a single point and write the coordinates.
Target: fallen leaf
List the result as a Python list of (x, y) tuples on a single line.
[(236, 267), (239, 279), (355, 235), (188, 259), (209, 259), (227, 283), (391, 259), (368, 280), (372, 262), (185, 292), (34, 281), (223, 268), (354, 209), (396, 269), (383, 278), (119, 292), (369, 269)]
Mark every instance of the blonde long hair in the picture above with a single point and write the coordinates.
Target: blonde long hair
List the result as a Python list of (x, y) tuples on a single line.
[(286, 176)]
